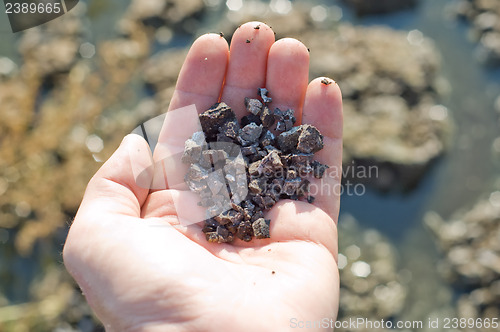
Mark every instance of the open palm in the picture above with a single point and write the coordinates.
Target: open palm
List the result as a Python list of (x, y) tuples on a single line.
[(140, 270)]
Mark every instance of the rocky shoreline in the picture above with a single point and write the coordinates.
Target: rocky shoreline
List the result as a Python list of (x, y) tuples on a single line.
[(372, 286), (368, 7), (484, 19), (393, 120), (391, 89), (471, 247)]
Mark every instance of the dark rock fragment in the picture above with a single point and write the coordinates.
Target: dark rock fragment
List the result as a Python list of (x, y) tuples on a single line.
[(267, 117), (249, 134), (285, 119), (263, 94), (212, 237), (319, 169), (248, 210), (303, 188), (245, 231), (267, 165), (326, 81), (257, 186), (230, 129), (268, 202), (254, 106), (249, 150), (229, 216), (215, 118), (275, 189), (193, 148), (213, 158), (291, 186), (250, 118), (291, 174), (289, 115), (261, 228), (300, 159), (196, 173), (215, 182), (258, 214), (221, 235), (310, 139), (259, 201), (288, 140), (267, 139)]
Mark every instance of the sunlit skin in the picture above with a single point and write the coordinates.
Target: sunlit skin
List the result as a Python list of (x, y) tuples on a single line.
[(142, 271)]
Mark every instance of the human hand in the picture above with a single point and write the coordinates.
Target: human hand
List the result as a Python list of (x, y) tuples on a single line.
[(140, 270)]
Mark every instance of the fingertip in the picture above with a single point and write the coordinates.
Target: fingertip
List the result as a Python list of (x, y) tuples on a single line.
[(288, 74), (202, 74), (133, 139), (323, 107), (247, 64), (257, 26), (329, 85), (210, 44), (291, 46)]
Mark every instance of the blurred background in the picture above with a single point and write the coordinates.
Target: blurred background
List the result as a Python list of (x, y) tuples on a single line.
[(419, 235)]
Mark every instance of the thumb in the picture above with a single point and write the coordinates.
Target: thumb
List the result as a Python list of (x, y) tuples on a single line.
[(122, 184)]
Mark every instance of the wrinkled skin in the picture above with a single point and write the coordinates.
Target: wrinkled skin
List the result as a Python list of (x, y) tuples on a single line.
[(140, 270)]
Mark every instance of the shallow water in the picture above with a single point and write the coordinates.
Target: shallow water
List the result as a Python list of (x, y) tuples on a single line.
[(466, 173)]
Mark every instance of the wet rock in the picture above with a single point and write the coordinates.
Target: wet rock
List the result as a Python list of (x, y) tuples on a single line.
[(8, 68), (286, 21), (367, 7), (181, 15), (370, 286), (53, 48), (162, 69), (471, 262), (484, 17), (392, 116)]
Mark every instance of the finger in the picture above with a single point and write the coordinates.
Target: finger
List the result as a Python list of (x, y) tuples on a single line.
[(323, 109), (122, 184), (198, 87), (288, 75), (247, 64), (202, 74), (299, 221)]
